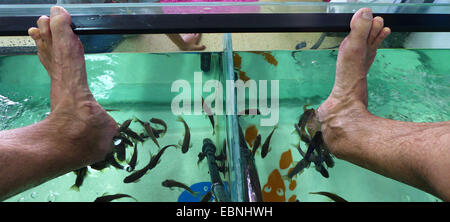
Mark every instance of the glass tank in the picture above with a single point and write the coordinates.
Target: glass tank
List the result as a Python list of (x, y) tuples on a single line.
[(265, 64)]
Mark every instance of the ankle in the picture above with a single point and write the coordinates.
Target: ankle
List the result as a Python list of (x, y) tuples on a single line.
[(337, 118)]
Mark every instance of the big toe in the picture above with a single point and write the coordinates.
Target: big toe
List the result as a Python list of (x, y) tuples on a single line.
[(361, 25), (60, 23)]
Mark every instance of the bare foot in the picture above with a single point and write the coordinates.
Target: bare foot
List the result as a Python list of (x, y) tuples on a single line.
[(192, 41), (349, 95), (81, 121)]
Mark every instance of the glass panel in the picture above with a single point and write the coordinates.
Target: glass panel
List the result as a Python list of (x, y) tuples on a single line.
[(145, 93), (403, 84)]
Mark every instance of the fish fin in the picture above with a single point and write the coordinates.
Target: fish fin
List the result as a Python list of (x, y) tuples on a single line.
[(190, 145), (180, 143), (180, 119), (75, 188)]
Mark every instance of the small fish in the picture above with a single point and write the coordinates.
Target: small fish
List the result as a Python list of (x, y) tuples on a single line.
[(209, 114), (109, 198), (265, 147), (81, 174), (133, 135), (111, 110), (173, 183), (315, 144), (120, 151), (132, 163), (299, 167), (332, 196), (321, 169), (124, 140), (153, 162), (187, 136), (207, 196), (307, 113), (149, 131), (317, 160), (311, 158), (201, 157), (256, 144), (124, 125), (328, 158), (302, 133), (160, 122)]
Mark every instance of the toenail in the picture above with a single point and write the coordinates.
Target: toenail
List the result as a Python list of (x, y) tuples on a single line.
[(367, 15), (55, 11)]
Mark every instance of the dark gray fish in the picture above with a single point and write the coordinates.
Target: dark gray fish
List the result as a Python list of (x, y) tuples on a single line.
[(124, 125), (149, 131), (201, 157), (173, 183), (109, 198), (187, 136), (298, 168), (332, 196), (81, 174), (132, 163), (209, 114), (207, 196), (256, 144), (120, 151), (111, 110), (133, 135), (322, 170), (160, 122), (265, 147), (153, 162), (302, 133), (317, 160), (328, 158), (124, 140), (315, 144)]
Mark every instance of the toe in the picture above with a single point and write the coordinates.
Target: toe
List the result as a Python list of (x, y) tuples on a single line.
[(360, 26), (381, 36), (44, 28), (60, 22), (377, 26), (34, 33)]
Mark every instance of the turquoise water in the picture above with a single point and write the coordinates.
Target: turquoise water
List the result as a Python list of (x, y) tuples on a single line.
[(408, 85)]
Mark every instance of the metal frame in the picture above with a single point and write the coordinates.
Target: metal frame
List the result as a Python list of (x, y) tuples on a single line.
[(226, 23)]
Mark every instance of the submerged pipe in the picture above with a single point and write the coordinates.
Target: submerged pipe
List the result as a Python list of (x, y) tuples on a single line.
[(217, 186)]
